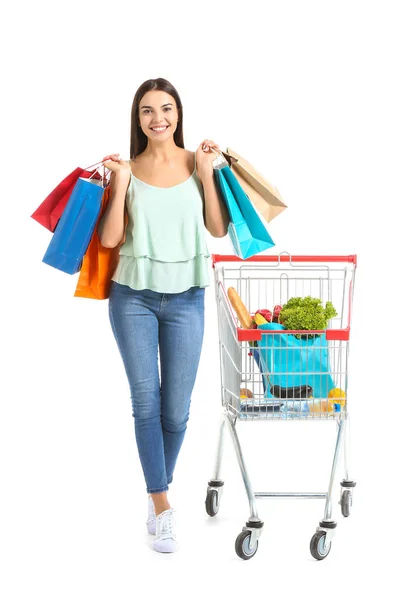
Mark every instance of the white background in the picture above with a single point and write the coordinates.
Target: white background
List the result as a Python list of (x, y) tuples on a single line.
[(316, 96)]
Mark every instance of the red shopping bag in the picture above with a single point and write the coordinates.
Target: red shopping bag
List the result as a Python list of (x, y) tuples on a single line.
[(51, 209)]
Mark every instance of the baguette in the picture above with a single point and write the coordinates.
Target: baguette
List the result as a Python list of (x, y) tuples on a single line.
[(242, 313)]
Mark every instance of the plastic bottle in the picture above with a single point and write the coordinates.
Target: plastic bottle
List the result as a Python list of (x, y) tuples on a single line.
[(294, 409)]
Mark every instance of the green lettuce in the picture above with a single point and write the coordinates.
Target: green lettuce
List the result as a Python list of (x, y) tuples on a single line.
[(306, 313)]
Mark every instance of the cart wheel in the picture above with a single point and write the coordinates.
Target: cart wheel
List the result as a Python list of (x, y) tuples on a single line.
[(346, 502), (317, 545), (211, 503), (242, 545)]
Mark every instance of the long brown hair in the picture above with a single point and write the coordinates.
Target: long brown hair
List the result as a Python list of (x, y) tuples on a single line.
[(138, 139)]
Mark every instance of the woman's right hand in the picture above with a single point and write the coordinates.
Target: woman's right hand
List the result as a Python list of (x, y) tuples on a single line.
[(114, 164)]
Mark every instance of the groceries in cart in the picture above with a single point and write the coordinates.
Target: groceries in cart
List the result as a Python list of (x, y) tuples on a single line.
[(294, 366), (267, 315)]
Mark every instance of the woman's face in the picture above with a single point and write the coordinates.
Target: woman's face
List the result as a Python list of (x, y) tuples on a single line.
[(158, 115)]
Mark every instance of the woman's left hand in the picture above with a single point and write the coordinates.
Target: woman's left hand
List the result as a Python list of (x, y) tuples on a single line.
[(204, 159)]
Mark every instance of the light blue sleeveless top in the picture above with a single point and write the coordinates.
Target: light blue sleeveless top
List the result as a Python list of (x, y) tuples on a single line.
[(165, 249)]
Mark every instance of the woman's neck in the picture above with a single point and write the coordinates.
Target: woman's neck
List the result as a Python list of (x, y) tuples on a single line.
[(162, 152)]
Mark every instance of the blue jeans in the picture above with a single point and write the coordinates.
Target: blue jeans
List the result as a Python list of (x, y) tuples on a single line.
[(144, 322)]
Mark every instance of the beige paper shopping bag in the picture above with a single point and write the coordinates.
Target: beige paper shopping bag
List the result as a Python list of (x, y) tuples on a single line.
[(263, 195)]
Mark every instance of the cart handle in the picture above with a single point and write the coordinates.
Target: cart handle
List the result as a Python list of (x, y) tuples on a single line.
[(351, 258)]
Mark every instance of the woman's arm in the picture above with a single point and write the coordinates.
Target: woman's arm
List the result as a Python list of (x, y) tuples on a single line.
[(216, 218), (111, 227)]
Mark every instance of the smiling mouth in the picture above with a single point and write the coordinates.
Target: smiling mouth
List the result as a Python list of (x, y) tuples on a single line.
[(159, 129)]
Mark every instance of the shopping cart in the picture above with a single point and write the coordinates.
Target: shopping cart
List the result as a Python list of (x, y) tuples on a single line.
[(276, 374)]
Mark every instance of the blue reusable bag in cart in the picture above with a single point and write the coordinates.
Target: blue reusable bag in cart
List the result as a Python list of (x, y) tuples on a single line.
[(246, 230), (75, 227), (297, 361)]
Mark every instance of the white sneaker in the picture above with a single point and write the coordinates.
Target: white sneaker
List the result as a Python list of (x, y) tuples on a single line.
[(165, 540), (151, 521)]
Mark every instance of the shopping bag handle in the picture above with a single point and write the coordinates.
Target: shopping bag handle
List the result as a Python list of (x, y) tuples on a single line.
[(105, 179), (97, 163), (228, 157)]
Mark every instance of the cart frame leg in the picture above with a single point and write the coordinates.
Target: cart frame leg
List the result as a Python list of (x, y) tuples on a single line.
[(347, 482), (254, 523), (347, 452), (216, 480), (327, 524), (250, 493), (340, 437)]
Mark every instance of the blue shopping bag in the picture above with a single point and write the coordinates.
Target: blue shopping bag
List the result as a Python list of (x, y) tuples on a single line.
[(75, 227), (246, 230), (288, 361)]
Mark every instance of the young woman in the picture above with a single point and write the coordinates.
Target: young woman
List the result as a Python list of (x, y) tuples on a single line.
[(156, 300)]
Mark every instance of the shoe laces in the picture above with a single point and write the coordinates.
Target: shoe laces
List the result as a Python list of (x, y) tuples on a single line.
[(166, 524)]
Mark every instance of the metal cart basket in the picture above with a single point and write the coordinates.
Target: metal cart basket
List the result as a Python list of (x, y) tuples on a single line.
[(273, 373)]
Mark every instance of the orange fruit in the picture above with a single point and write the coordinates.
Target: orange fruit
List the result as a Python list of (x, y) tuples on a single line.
[(337, 396)]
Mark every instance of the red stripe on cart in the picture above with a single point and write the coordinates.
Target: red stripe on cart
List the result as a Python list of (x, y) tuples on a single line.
[(351, 258), (256, 335)]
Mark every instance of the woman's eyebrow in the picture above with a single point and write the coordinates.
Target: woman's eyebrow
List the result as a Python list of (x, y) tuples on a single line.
[(168, 103)]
